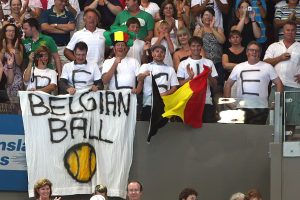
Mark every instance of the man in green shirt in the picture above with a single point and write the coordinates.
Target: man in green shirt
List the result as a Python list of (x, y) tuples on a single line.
[(34, 39), (133, 10)]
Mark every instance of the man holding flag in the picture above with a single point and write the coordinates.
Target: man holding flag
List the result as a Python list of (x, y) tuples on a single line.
[(188, 69)]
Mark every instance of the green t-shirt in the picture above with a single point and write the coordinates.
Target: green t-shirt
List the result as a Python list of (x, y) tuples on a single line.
[(146, 20), (44, 40)]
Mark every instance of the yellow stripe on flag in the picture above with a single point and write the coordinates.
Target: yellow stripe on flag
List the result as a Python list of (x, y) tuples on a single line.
[(119, 36), (176, 102)]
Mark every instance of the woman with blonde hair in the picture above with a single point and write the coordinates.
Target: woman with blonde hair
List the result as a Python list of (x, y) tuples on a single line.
[(237, 196), (43, 190)]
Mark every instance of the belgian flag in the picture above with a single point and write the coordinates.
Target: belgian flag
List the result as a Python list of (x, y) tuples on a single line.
[(187, 103)]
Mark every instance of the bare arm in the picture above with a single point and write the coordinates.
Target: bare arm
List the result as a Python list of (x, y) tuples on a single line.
[(226, 64), (276, 60), (108, 75), (71, 9), (49, 88), (149, 36), (222, 6), (219, 34), (51, 29), (170, 91), (198, 9), (278, 84), (57, 63), (27, 72), (227, 88), (69, 54)]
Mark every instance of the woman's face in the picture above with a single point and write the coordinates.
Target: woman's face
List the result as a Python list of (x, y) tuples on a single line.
[(207, 17), (44, 192), (15, 6), (243, 8), (183, 38), (44, 58), (168, 10), (10, 32), (235, 40)]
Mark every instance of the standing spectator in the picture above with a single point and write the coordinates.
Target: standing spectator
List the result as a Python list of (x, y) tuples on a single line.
[(133, 10), (151, 8), (71, 6), (289, 12), (80, 73), (35, 39), (244, 22), (219, 6), (184, 51), (108, 10), (284, 56), (188, 194), (194, 65), (4, 8), (57, 22), (92, 36), (167, 84), (6, 78), (11, 46), (37, 76), (16, 16), (253, 79), (121, 71)]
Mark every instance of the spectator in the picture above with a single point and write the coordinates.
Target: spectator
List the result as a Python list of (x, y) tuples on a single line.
[(134, 190), (92, 36), (71, 6), (121, 71), (219, 6), (108, 10), (43, 190), (253, 78), (253, 194), (151, 8), (34, 39), (16, 16), (289, 12), (32, 8), (80, 73), (4, 8), (133, 10), (235, 54), (57, 22), (284, 56), (6, 78), (164, 39), (183, 36), (237, 196), (183, 12), (244, 22), (37, 76), (194, 65), (12, 47), (188, 194), (166, 84), (100, 190)]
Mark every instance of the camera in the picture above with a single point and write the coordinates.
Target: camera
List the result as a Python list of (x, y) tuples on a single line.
[(249, 9), (37, 56)]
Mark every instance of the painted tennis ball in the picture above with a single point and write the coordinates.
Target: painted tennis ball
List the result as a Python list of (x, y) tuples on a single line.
[(80, 162)]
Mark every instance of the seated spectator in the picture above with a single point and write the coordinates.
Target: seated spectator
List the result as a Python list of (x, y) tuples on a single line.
[(167, 84), (188, 194), (71, 6), (183, 36), (100, 193), (34, 39), (58, 23), (151, 8), (43, 190), (194, 65), (164, 39), (37, 76), (11, 46), (235, 54), (253, 194), (108, 10), (237, 196), (133, 10), (244, 21), (92, 36), (80, 73), (289, 12), (120, 72), (6, 78)]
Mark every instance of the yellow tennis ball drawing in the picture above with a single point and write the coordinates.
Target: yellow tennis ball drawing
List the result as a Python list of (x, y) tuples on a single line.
[(80, 162)]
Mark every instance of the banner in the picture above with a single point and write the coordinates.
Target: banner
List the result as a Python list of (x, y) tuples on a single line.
[(78, 141)]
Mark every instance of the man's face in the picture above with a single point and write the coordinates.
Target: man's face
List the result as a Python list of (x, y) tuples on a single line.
[(158, 55), (195, 48), (60, 4), (289, 32), (134, 191), (253, 53), (120, 49), (27, 30), (80, 56), (130, 4), (134, 28), (90, 19)]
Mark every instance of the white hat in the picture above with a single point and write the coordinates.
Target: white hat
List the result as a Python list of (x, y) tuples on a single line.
[(97, 197)]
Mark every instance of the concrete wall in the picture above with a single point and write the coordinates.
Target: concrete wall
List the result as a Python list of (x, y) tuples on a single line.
[(217, 160)]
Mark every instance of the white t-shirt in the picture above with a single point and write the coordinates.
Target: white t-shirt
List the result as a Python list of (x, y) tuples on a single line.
[(42, 78), (168, 57), (165, 78), (152, 9), (252, 83), (136, 51), (94, 40), (197, 67), (126, 72), (286, 70), (81, 76), (214, 5)]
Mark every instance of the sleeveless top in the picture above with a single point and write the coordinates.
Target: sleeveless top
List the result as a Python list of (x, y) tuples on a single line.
[(212, 48), (234, 58)]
